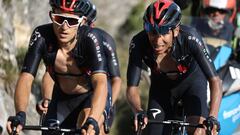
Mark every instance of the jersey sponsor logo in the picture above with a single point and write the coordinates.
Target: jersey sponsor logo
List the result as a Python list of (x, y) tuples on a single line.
[(198, 41), (195, 39), (94, 38), (108, 46), (34, 37), (132, 46), (155, 112), (234, 72)]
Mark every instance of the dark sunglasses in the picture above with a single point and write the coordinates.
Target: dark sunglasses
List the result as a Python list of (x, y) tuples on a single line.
[(70, 20), (155, 29), (210, 10)]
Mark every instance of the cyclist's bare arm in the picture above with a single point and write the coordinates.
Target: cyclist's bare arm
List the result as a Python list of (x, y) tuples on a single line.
[(23, 90), (47, 89), (133, 97), (99, 82), (47, 86), (116, 87), (215, 95), (21, 98)]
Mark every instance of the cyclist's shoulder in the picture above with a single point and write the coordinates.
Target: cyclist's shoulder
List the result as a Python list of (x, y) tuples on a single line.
[(189, 37), (187, 31), (44, 31), (42, 35), (45, 28), (140, 37), (139, 43), (106, 36), (87, 32), (101, 31)]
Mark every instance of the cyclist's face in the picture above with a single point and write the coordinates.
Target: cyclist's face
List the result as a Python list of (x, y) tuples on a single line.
[(216, 15), (65, 25), (162, 43)]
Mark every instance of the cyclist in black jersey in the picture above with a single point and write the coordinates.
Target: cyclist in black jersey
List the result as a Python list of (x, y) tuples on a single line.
[(76, 62), (113, 73), (180, 68)]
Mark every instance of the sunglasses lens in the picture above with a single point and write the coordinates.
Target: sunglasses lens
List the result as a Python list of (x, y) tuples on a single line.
[(59, 19), (72, 21), (155, 30), (163, 30), (210, 10)]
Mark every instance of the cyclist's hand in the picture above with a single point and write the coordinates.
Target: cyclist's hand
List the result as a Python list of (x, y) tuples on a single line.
[(140, 120), (90, 127), (212, 125), (42, 106), (16, 123)]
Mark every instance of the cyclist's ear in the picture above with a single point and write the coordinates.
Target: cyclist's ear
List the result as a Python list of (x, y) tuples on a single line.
[(50, 14), (176, 31), (84, 21)]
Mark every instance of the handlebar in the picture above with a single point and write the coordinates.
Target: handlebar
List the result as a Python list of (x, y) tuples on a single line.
[(58, 129), (177, 123), (54, 129)]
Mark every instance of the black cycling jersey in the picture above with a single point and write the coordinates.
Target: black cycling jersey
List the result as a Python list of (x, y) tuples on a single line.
[(94, 52), (193, 67), (188, 51), (109, 47), (94, 48)]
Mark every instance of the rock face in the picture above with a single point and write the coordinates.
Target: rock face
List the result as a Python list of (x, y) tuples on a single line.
[(111, 14), (17, 20)]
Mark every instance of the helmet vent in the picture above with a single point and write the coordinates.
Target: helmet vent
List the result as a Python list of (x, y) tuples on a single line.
[(76, 4), (160, 6)]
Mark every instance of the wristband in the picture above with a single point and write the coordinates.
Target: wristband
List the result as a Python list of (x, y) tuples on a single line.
[(22, 117), (210, 121), (93, 122), (140, 117), (19, 119), (46, 99)]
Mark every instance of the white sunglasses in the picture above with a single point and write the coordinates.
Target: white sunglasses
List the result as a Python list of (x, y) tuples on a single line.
[(71, 21)]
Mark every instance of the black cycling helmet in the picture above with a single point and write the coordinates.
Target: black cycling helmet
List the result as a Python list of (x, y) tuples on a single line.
[(161, 16), (82, 7), (92, 16)]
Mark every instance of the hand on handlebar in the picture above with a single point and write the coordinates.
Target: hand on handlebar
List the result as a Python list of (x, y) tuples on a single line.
[(16, 123), (212, 125), (140, 120), (90, 127), (42, 106)]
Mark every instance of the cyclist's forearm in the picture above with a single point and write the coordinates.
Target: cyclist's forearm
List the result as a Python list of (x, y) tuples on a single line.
[(116, 87), (47, 86), (23, 90), (133, 98), (99, 96), (216, 96)]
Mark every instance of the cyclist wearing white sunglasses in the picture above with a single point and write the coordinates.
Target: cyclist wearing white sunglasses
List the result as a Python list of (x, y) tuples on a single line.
[(76, 63)]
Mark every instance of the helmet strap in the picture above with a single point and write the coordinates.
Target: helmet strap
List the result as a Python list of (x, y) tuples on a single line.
[(175, 31)]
